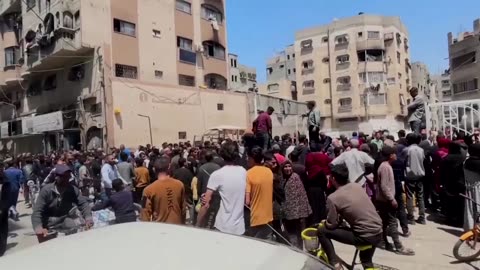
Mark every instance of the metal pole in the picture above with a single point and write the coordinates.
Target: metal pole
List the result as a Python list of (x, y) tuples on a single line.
[(149, 127)]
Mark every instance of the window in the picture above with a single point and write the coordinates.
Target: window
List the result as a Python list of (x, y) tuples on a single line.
[(186, 80), (309, 84), (342, 59), (48, 5), (77, 73), (282, 66), (125, 71), (231, 63), (399, 57), (31, 4), (326, 60), (289, 71), (78, 22), (445, 83), (235, 63), (391, 80), (360, 34), (11, 56), (273, 87), (307, 64), (156, 33), (215, 81), (342, 39), (373, 35), (219, 106), (124, 27), (68, 21), (345, 102), (211, 13), (326, 80), (215, 50), (182, 135), (185, 43), (294, 70), (234, 78), (371, 55), (269, 70), (306, 44), (466, 86), (158, 74), (186, 53), (344, 80), (371, 77), (288, 56), (324, 39), (293, 55), (463, 60), (183, 6), (50, 83), (327, 101)]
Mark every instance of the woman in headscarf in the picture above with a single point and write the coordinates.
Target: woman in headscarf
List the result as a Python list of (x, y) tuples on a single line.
[(453, 183), (296, 206), (317, 167), (472, 185)]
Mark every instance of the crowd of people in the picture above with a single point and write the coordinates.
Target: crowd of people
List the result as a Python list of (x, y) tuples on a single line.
[(355, 190)]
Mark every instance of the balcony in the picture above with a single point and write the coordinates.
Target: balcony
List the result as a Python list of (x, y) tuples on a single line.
[(308, 70), (9, 6), (370, 67), (345, 109), (59, 44), (344, 87)]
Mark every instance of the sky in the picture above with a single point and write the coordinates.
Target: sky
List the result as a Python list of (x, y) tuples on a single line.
[(257, 29)]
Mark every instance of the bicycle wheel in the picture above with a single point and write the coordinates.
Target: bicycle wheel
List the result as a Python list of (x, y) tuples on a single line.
[(467, 248)]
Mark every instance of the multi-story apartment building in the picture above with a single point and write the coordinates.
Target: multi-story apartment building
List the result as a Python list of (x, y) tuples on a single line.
[(358, 71), (421, 79), (242, 78), (464, 68), (443, 86), (281, 75), (102, 73)]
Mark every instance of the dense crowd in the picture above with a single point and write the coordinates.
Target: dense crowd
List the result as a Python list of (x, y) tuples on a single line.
[(355, 189)]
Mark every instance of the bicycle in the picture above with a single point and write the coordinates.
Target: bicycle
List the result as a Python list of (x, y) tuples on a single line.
[(469, 239), (312, 245)]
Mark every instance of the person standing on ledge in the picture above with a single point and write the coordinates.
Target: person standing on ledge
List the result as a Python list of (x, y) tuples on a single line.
[(313, 121), (416, 111)]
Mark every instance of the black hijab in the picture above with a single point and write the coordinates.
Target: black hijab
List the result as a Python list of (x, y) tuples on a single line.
[(473, 161)]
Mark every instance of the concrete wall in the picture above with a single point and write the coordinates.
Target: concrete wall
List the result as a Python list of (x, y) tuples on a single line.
[(172, 110)]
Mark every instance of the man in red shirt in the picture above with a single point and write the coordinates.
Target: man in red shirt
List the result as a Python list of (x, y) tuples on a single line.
[(262, 128)]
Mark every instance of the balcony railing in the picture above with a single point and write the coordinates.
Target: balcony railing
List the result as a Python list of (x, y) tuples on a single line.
[(344, 109), (187, 56), (308, 70), (344, 87)]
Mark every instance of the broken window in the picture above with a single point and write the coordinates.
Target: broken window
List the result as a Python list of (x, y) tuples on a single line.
[(214, 49), (211, 13), (370, 55), (76, 73), (342, 39), (50, 82), (307, 64), (463, 60)]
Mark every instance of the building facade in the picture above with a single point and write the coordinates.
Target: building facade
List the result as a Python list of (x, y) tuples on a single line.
[(281, 75), (443, 86), (86, 73), (242, 78), (357, 70), (463, 53), (421, 79)]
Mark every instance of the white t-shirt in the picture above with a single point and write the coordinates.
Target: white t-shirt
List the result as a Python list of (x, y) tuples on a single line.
[(230, 182)]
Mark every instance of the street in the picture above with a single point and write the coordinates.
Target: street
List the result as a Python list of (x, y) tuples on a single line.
[(432, 243)]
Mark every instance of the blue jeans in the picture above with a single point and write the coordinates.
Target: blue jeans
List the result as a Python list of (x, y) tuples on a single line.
[(263, 140)]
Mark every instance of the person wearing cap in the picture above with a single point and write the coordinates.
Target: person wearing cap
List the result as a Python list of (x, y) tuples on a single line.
[(386, 202), (55, 202), (416, 111)]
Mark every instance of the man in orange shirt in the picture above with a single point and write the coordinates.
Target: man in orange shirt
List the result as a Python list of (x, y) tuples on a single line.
[(142, 179), (164, 199), (259, 196)]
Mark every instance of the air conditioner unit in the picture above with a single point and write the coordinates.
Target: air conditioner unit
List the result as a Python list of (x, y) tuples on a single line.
[(199, 48)]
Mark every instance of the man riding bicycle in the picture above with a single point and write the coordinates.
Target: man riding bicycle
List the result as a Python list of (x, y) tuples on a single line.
[(55, 202), (351, 203)]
